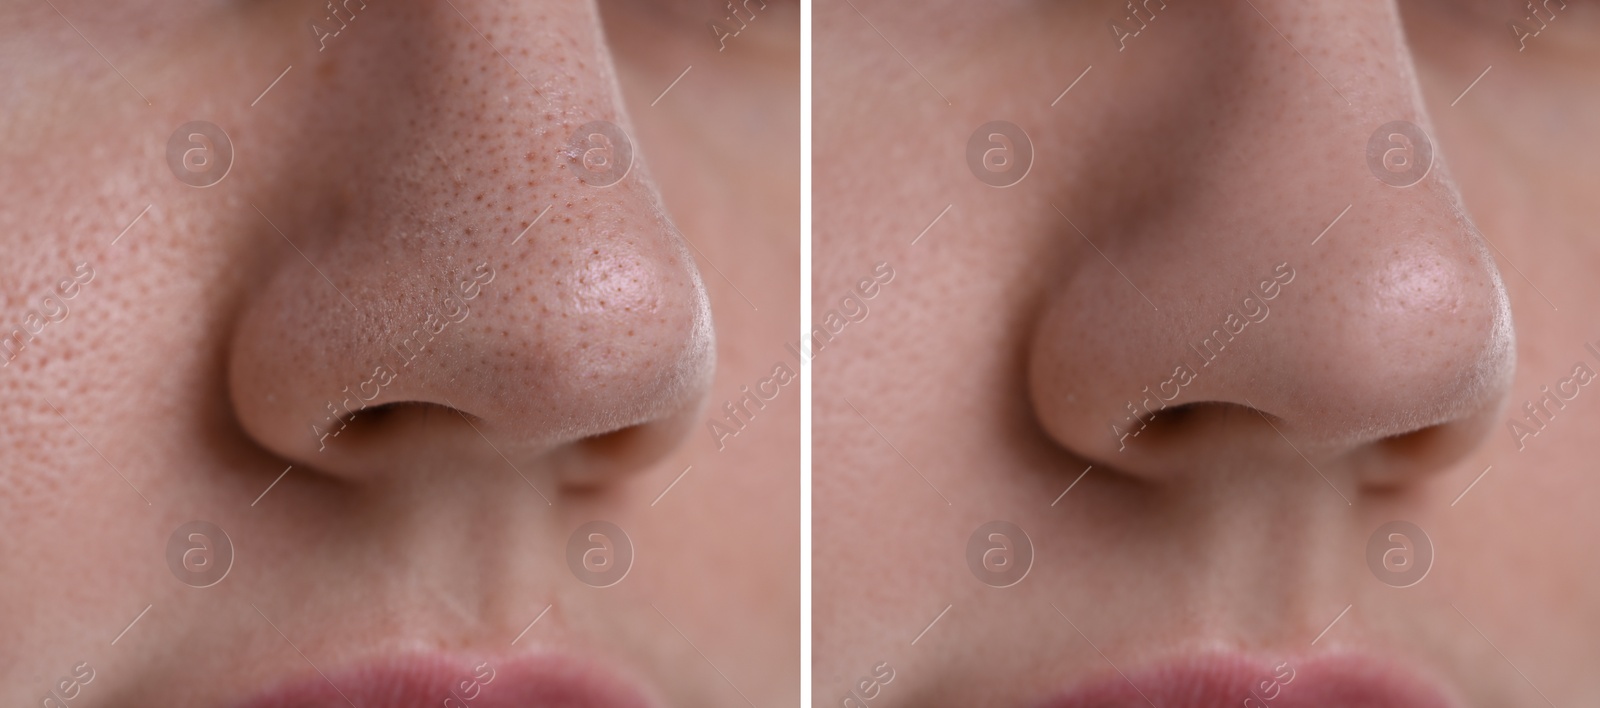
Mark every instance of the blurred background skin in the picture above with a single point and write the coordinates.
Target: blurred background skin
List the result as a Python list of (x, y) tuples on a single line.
[(403, 154), (1197, 159)]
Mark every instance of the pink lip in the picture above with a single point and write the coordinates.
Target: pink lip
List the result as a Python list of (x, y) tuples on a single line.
[(430, 681), (1217, 680)]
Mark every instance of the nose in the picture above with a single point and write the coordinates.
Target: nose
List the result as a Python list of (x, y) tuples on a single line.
[(467, 262), (1289, 274)]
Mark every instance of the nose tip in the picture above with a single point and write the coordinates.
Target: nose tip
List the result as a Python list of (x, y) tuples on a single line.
[(629, 337), (1397, 358), (1429, 341)]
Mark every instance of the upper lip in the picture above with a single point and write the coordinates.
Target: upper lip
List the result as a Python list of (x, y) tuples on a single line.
[(415, 681), (1219, 679)]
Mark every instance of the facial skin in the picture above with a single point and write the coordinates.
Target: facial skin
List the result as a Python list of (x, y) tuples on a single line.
[(1379, 387), (393, 176)]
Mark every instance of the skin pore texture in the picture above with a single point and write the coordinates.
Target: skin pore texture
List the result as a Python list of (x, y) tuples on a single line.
[(1167, 188), (409, 179)]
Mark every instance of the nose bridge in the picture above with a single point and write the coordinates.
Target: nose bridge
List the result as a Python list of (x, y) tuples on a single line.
[(432, 127), (472, 87), (1286, 103)]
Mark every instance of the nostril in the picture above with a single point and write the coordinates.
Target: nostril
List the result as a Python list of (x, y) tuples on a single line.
[(370, 434), (615, 442), (1429, 447), (608, 451), (633, 446), (1413, 443), (1412, 447), (369, 426), (1188, 422)]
